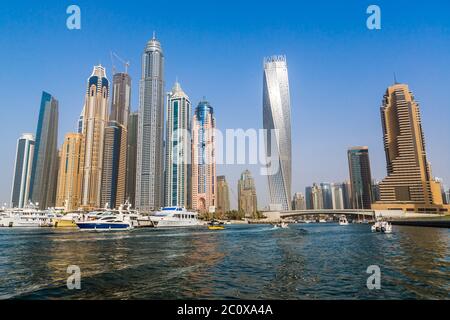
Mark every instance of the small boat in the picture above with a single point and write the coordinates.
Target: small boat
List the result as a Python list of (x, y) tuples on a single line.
[(382, 226), (216, 225), (322, 221), (111, 220), (343, 221), (282, 225)]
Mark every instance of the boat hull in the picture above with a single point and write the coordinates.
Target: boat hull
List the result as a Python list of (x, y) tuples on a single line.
[(103, 226)]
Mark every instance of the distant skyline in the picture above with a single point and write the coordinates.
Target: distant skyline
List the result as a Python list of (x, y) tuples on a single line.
[(338, 71)]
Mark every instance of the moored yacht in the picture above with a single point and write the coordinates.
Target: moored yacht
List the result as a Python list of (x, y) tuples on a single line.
[(170, 217), (26, 218)]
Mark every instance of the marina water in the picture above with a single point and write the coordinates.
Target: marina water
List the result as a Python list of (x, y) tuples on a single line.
[(305, 261)]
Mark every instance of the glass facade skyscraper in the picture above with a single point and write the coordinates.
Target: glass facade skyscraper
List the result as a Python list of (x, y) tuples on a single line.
[(178, 148), (277, 117), (150, 153), (360, 177), (22, 171), (44, 173)]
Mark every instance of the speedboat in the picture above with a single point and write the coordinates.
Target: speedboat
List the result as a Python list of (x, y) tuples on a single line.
[(216, 225), (343, 221), (282, 225), (382, 226), (171, 217)]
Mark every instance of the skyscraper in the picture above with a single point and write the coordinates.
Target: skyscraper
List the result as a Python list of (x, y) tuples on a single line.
[(45, 167), (327, 195), (150, 155), (316, 197), (298, 203), (223, 196), (131, 157), (409, 184), (347, 194), (337, 196), (360, 177), (277, 116), (114, 170), (22, 171), (68, 194), (247, 195), (309, 198), (95, 120), (178, 148), (110, 167), (203, 158)]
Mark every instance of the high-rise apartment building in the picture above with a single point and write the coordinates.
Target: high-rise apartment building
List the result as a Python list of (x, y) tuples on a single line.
[(203, 159), (178, 148), (337, 195), (277, 122), (298, 202), (95, 120), (247, 195), (409, 184), (114, 170), (150, 154), (22, 171), (327, 195), (223, 196), (316, 197), (44, 173), (68, 194), (360, 177), (132, 157)]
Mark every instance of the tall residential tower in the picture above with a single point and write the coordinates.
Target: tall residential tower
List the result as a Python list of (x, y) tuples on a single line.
[(44, 172), (409, 184), (95, 120), (360, 178), (277, 122), (114, 171), (178, 148), (203, 159), (22, 171), (150, 155)]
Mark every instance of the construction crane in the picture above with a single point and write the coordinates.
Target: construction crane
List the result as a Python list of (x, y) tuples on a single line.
[(125, 63)]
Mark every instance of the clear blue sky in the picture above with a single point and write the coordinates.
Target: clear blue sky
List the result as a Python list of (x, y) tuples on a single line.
[(338, 69)]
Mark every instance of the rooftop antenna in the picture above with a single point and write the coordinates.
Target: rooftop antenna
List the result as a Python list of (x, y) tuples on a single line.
[(395, 79), (154, 35)]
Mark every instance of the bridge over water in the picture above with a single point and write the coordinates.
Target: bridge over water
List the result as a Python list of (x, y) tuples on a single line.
[(353, 213)]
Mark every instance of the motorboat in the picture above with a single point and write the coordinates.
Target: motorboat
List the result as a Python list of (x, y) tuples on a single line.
[(173, 217), (282, 225), (108, 221), (382, 226), (343, 221), (216, 225)]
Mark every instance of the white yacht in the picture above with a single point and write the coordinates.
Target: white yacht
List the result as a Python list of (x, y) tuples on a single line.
[(28, 217), (170, 217), (343, 221)]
